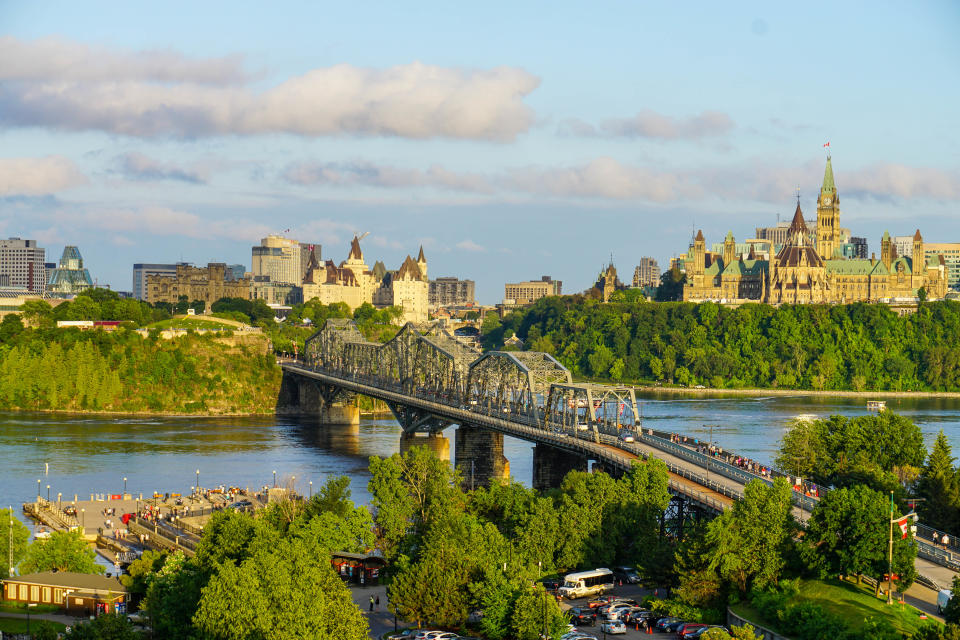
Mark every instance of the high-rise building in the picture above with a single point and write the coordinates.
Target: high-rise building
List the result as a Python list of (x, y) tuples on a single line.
[(951, 257), (532, 290), (235, 271), (142, 270), (283, 260), (445, 292), (22, 264), (70, 277), (860, 249), (903, 245), (647, 273)]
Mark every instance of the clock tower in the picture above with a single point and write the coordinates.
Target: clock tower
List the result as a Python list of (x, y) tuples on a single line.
[(828, 215)]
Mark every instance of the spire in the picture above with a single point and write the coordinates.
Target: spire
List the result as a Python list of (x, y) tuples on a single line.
[(699, 237), (798, 224), (420, 257), (828, 184), (355, 252), (886, 235), (729, 236), (917, 235)]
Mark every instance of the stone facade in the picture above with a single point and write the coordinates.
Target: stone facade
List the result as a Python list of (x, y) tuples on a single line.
[(197, 283), (813, 271)]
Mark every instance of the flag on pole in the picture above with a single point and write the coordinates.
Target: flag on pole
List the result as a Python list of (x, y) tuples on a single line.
[(827, 144), (902, 523)]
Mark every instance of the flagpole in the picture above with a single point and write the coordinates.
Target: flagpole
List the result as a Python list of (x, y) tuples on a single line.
[(890, 557)]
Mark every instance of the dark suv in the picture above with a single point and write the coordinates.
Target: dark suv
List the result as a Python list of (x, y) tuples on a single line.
[(580, 616)]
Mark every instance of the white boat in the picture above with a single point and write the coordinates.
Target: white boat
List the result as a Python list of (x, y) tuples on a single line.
[(876, 405)]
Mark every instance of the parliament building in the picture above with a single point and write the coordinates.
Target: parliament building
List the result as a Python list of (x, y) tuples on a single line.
[(811, 267)]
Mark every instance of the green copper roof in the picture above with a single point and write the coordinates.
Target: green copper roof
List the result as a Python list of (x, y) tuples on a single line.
[(828, 184), (853, 267), (730, 236), (886, 235)]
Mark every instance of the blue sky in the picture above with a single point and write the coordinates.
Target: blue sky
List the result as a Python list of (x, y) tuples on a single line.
[(512, 140)]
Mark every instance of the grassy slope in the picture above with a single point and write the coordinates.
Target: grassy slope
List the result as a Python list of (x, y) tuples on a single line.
[(193, 322), (19, 625), (855, 604)]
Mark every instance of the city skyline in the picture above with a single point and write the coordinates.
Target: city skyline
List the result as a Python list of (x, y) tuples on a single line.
[(504, 150)]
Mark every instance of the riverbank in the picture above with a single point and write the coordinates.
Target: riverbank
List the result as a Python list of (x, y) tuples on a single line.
[(880, 395)]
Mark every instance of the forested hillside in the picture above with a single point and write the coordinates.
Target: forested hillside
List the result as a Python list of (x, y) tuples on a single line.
[(857, 347), (71, 370)]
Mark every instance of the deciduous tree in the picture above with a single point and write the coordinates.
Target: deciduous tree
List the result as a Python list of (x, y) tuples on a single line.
[(62, 551)]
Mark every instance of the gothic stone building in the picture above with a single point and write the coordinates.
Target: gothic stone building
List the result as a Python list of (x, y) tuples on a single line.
[(812, 271)]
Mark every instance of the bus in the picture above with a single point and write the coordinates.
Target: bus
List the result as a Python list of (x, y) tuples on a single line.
[(586, 583)]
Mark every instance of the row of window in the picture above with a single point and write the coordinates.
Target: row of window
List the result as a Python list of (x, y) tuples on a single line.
[(34, 593)]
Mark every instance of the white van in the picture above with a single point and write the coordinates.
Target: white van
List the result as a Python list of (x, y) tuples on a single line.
[(942, 599), (586, 583)]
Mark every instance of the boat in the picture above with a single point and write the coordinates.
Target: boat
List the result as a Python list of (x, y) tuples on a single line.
[(876, 405)]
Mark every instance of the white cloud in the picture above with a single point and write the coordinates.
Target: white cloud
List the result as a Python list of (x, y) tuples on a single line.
[(136, 166), (652, 125), (899, 181), (373, 175), (41, 85), (38, 176), (470, 245)]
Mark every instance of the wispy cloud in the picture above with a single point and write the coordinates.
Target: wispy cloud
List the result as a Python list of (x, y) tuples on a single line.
[(470, 245), (370, 174), (136, 166), (38, 176), (70, 86), (652, 125)]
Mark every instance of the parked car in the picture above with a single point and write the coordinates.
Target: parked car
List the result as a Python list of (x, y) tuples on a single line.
[(614, 611), (240, 505), (684, 630), (642, 614), (700, 632), (613, 627), (626, 435), (583, 616), (668, 624), (627, 574), (551, 584), (601, 601)]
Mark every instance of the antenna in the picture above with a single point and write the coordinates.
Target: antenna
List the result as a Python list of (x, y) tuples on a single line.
[(798, 195)]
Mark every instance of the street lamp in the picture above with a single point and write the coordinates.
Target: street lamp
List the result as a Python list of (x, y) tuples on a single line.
[(274, 479), (83, 521), (48, 493), (59, 503), (124, 485), (38, 489), (311, 489)]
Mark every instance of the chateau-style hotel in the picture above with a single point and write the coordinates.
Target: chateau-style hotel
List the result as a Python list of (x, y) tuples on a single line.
[(812, 265)]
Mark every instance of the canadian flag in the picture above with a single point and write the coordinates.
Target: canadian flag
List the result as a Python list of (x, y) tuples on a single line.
[(827, 144), (902, 523)]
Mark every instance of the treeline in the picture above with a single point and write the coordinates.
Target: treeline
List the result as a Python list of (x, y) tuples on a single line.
[(73, 370), (838, 347)]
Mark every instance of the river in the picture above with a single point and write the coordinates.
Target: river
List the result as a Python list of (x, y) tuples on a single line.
[(93, 454)]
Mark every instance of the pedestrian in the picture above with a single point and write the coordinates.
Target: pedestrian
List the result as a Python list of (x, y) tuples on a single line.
[(378, 603), (371, 603), (936, 538), (946, 540)]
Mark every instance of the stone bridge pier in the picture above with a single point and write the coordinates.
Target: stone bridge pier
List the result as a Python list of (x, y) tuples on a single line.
[(550, 465), (306, 397), (479, 456), (433, 441)]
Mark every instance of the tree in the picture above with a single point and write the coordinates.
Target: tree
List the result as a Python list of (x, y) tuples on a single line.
[(44, 630), (107, 626), (848, 534), (536, 613), (671, 285), (138, 575), (938, 486), (287, 593), (10, 327), (13, 537), (747, 542), (951, 613), (232, 536), (62, 551), (922, 294), (37, 313), (173, 595), (744, 632)]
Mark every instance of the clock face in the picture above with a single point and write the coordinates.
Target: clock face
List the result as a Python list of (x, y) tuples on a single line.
[(827, 201)]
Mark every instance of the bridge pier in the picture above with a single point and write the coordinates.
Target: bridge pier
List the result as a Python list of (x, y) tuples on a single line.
[(303, 396), (551, 465), (433, 441), (479, 456)]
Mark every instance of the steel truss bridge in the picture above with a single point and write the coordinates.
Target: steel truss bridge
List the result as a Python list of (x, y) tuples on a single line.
[(431, 381)]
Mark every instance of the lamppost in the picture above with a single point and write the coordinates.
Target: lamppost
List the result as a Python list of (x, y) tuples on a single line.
[(311, 489), (198, 480), (124, 485), (83, 521), (59, 502), (274, 479), (48, 494), (38, 489)]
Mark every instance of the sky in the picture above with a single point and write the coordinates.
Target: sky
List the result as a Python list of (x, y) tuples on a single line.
[(512, 140)]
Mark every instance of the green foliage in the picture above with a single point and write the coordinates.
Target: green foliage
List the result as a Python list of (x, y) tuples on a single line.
[(744, 632), (62, 551), (671, 285), (108, 626), (536, 613), (138, 575), (68, 369), (939, 487), (13, 537), (951, 612), (848, 534), (858, 346), (173, 596), (231, 536), (289, 592), (45, 630), (877, 450), (254, 310), (747, 543)]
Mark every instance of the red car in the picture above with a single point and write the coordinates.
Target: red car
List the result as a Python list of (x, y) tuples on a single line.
[(684, 630), (601, 601)]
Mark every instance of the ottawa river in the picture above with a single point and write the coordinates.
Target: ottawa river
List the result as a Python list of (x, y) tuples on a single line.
[(92, 454)]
